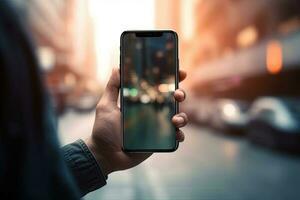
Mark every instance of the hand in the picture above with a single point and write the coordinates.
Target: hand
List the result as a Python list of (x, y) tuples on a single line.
[(106, 139)]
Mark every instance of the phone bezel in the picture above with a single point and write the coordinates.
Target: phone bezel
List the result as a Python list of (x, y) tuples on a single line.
[(147, 32)]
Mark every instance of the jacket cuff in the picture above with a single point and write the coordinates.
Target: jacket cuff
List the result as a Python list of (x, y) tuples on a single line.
[(84, 167)]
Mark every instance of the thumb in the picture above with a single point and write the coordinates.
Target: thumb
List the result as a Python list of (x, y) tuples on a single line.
[(111, 92)]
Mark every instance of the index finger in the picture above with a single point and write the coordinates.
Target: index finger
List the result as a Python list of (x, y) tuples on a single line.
[(182, 75)]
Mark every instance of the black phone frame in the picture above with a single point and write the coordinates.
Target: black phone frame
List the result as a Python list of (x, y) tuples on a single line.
[(147, 33)]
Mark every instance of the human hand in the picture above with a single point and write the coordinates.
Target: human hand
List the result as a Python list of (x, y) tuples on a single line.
[(106, 139)]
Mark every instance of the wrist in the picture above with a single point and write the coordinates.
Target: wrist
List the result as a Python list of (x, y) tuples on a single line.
[(99, 156)]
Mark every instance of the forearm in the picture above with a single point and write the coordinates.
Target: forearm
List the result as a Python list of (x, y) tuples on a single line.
[(84, 167)]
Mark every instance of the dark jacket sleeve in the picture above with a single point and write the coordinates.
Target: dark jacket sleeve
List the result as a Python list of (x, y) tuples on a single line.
[(84, 167)]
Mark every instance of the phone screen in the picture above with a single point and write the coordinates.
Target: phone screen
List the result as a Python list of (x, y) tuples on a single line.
[(148, 79)]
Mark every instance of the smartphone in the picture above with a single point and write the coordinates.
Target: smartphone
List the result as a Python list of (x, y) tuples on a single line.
[(149, 77)]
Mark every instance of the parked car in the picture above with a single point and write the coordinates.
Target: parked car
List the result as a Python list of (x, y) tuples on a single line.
[(230, 115), (275, 122)]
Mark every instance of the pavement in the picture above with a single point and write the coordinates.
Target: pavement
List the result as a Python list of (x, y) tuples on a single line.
[(208, 165)]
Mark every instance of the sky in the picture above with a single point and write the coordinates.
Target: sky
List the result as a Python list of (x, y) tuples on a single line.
[(110, 19)]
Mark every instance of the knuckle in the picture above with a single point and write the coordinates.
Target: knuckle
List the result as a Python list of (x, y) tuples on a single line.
[(184, 115), (101, 106)]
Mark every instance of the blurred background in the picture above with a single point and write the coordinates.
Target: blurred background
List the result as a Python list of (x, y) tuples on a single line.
[(243, 86)]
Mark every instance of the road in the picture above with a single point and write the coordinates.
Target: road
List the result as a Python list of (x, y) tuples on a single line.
[(157, 131), (208, 165)]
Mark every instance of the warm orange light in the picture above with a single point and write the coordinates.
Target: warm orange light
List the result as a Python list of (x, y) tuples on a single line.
[(274, 57), (163, 88), (247, 37)]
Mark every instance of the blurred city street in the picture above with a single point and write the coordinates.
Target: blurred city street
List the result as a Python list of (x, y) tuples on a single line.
[(207, 165), (242, 65)]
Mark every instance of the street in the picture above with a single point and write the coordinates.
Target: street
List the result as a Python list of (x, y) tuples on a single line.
[(158, 132), (207, 165)]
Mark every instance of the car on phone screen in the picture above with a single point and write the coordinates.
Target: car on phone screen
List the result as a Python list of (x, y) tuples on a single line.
[(275, 122)]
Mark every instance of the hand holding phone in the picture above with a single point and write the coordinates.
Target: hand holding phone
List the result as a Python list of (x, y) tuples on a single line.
[(106, 139)]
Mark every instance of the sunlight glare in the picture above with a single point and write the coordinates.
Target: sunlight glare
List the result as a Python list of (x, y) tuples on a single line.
[(110, 19)]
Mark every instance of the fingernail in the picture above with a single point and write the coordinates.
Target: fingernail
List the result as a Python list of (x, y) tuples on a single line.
[(182, 93), (179, 120)]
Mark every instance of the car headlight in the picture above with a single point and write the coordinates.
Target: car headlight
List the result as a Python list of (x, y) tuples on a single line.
[(231, 110)]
